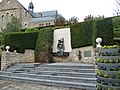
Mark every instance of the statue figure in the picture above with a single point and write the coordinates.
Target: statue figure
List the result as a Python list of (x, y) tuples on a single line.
[(60, 45)]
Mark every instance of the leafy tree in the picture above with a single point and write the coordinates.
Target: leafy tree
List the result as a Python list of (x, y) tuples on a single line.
[(73, 20), (117, 10), (60, 21), (91, 17), (14, 25)]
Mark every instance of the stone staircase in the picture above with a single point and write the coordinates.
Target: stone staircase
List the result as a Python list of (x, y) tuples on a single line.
[(72, 75)]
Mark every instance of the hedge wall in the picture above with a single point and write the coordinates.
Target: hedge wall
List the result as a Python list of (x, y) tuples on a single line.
[(85, 33), (21, 40), (81, 34), (43, 49), (103, 28)]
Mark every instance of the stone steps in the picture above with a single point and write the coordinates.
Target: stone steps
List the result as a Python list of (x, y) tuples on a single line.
[(71, 75), (50, 77), (65, 69), (80, 85)]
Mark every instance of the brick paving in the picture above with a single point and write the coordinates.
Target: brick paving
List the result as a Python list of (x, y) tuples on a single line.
[(15, 85)]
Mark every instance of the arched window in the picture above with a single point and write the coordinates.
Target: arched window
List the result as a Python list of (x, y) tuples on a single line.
[(7, 15), (2, 23), (46, 24), (40, 25), (25, 14), (11, 14)]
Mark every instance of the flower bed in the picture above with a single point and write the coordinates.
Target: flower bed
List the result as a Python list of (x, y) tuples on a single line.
[(108, 72)]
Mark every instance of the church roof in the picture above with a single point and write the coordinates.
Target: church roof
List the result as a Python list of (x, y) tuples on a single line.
[(42, 19), (45, 13)]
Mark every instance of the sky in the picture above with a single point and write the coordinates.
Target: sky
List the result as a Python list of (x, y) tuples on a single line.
[(70, 8)]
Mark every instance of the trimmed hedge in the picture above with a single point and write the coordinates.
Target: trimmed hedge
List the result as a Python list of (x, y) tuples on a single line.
[(85, 33), (81, 34), (44, 43), (116, 34), (103, 28), (21, 40)]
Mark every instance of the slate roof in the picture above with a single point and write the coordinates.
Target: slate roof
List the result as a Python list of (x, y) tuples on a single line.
[(42, 19), (45, 14)]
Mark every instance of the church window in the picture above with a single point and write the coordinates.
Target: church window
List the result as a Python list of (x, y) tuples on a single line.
[(7, 15), (46, 24), (49, 23), (42, 24), (39, 25), (40, 14), (25, 14), (2, 23), (11, 14)]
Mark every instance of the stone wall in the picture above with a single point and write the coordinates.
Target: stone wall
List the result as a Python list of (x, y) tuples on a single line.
[(9, 58), (87, 56)]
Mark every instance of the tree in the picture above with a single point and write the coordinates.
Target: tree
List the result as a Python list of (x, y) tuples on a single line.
[(60, 21), (91, 17), (14, 25), (117, 10), (73, 20)]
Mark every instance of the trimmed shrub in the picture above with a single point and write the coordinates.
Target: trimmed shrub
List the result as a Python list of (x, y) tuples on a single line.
[(103, 28), (85, 33), (20, 40), (116, 34), (81, 34), (43, 49), (31, 30)]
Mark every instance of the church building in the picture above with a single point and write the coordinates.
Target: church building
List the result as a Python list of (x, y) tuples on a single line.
[(29, 18)]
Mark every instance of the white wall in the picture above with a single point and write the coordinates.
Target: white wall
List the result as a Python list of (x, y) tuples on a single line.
[(62, 33)]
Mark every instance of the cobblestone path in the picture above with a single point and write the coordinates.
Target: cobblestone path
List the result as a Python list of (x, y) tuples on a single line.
[(14, 85)]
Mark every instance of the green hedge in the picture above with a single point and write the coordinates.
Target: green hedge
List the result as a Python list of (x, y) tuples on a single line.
[(43, 49), (103, 28), (81, 34), (85, 33), (116, 34), (21, 40)]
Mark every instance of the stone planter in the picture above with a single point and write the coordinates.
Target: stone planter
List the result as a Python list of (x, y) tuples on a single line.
[(109, 57), (109, 81), (109, 66), (105, 87), (108, 69), (108, 51), (111, 74)]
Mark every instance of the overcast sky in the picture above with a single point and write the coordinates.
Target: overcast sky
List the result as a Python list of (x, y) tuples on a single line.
[(70, 8)]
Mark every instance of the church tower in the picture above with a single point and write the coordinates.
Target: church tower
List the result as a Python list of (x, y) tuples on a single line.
[(31, 7)]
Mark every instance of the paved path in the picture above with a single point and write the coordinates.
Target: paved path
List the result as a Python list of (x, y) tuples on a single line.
[(14, 85)]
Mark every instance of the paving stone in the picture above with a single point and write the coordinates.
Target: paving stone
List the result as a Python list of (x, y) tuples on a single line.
[(14, 85)]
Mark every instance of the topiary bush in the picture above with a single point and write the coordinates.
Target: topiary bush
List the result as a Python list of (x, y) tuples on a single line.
[(20, 40), (43, 49)]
